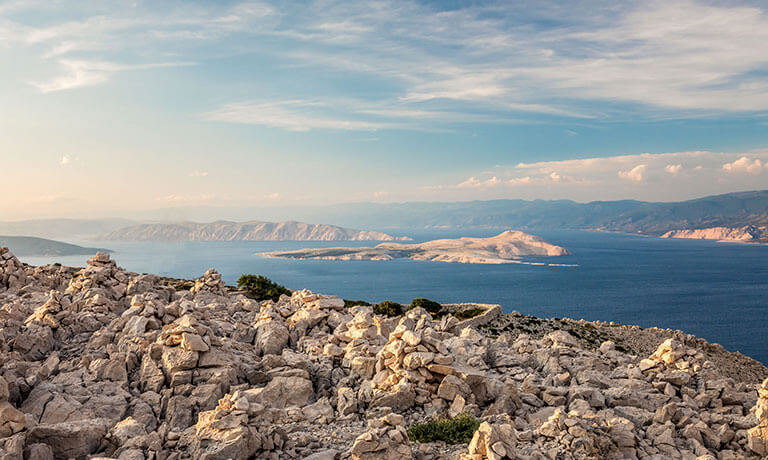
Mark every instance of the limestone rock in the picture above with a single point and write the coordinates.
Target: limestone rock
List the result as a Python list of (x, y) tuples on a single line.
[(386, 439), (492, 442)]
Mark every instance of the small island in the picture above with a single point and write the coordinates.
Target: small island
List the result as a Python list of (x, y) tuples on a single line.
[(507, 247), (745, 234)]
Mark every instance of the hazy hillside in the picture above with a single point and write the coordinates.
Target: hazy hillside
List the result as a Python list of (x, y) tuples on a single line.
[(243, 231), (62, 228), (734, 209), (32, 246), (730, 210)]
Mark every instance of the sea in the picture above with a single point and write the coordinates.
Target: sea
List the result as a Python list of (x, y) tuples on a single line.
[(717, 291)]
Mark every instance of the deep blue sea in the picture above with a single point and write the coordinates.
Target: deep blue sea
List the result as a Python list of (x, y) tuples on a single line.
[(717, 291)]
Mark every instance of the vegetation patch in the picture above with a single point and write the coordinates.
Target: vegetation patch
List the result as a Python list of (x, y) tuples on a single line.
[(430, 305), (457, 430), (467, 314), (388, 308), (177, 283), (355, 303), (261, 288)]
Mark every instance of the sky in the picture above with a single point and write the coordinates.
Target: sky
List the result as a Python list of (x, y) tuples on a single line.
[(116, 107)]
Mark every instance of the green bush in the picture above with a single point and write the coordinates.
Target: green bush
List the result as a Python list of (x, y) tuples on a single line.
[(457, 430), (430, 305), (388, 308), (470, 313), (261, 288), (355, 303)]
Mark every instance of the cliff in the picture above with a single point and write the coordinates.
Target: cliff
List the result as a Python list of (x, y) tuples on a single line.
[(243, 231), (507, 247), (101, 362), (746, 234)]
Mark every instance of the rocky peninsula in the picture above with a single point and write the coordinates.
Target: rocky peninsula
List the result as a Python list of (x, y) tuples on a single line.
[(99, 362), (507, 247), (745, 234), (244, 231)]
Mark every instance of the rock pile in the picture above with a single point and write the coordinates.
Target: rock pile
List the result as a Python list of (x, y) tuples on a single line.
[(12, 273), (101, 362), (758, 436), (386, 439)]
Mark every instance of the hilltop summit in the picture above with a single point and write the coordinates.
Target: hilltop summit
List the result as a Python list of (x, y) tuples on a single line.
[(98, 361)]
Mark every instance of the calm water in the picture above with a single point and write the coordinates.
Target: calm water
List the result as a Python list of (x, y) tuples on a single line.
[(713, 290)]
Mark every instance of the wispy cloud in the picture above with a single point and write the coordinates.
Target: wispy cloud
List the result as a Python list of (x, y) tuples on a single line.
[(198, 174), (292, 115), (683, 57), (80, 73), (65, 160)]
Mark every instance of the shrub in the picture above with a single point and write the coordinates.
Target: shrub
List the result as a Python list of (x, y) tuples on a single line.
[(355, 303), (470, 313), (430, 305), (388, 308), (261, 288), (457, 430)]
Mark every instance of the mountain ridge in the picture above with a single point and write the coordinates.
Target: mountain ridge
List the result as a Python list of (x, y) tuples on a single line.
[(222, 230)]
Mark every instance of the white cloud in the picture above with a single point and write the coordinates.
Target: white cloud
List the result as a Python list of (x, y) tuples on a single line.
[(198, 174), (744, 165), (656, 177), (635, 174), (65, 160), (274, 196), (474, 182)]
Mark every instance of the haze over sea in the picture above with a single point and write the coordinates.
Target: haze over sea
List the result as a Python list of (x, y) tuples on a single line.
[(717, 291)]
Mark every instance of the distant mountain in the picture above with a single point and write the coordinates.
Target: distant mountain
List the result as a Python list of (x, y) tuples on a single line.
[(627, 216), (62, 228), (32, 246), (243, 231)]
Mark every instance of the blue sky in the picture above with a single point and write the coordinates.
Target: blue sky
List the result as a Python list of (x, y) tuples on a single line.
[(118, 106)]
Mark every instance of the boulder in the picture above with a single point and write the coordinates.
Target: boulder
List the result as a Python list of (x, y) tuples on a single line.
[(71, 439)]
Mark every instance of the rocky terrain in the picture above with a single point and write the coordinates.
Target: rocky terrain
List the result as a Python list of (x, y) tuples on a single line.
[(102, 363), (745, 234), (243, 231), (507, 247)]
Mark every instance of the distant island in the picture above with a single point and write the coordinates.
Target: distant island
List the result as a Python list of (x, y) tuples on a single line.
[(507, 247), (745, 234), (244, 231), (35, 247)]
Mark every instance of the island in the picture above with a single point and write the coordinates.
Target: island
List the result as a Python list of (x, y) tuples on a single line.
[(745, 234), (244, 231), (42, 247), (506, 247)]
